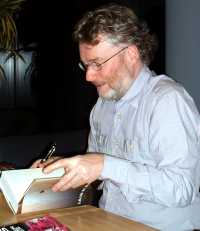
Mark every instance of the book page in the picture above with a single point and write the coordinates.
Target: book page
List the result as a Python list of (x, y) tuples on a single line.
[(40, 197), (8, 195), (14, 183)]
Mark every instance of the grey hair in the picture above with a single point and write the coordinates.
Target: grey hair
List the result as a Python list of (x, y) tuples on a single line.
[(120, 25)]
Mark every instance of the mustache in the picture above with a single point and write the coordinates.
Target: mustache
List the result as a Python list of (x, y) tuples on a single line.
[(97, 84)]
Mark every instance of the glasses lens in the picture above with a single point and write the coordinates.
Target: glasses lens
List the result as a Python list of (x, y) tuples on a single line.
[(82, 66), (96, 66)]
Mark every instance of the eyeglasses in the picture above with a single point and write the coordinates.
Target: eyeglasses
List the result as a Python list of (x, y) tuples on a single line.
[(97, 66)]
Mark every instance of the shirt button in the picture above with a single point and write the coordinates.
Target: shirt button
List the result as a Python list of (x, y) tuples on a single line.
[(119, 116), (117, 119), (131, 146)]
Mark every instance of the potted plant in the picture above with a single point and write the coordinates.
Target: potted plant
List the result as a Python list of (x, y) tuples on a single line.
[(8, 30)]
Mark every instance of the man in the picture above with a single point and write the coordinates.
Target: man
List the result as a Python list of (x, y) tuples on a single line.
[(144, 139)]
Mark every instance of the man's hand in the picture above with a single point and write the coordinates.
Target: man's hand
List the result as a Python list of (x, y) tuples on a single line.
[(79, 170), (39, 164)]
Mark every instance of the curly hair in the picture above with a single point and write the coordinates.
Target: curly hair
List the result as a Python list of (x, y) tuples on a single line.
[(120, 25)]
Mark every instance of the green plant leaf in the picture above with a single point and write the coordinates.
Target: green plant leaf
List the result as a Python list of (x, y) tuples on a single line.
[(8, 30), (9, 56), (8, 7), (20, 56), (14, 54), (2, 73)]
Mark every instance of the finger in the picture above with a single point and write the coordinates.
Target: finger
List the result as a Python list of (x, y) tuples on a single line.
[(36, 164), (40, 164), (61, 163), (65, 182), (75, 182), (50, 160)]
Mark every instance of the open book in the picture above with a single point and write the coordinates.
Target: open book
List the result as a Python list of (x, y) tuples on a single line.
[(27, 190)]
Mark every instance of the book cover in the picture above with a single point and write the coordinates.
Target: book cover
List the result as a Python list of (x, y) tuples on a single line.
[(45, 223), (27, 190)]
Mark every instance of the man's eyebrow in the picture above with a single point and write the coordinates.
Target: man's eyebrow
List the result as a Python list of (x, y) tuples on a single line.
[(94, 60)]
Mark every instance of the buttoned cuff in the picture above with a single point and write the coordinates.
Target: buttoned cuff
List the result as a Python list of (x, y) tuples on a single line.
[(114, 169)]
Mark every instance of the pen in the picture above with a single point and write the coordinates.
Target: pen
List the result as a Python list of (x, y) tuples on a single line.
[(48, 152)]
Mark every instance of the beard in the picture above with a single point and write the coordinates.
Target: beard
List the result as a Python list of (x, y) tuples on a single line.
[(112, 94), (117, 90)]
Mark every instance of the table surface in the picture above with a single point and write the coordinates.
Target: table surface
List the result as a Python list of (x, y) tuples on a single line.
[(82, 218)]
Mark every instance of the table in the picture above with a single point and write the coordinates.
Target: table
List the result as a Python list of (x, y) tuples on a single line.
[(82, 218)]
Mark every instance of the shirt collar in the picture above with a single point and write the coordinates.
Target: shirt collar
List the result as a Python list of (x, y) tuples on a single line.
[(137, 85)]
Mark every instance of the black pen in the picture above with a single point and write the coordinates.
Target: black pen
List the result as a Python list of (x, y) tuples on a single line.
[(48, 152)]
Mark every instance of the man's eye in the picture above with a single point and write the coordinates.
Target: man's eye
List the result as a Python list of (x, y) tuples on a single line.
[(96, 64)]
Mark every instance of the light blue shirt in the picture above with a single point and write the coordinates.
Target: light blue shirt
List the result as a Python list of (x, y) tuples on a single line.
[(151, 142)]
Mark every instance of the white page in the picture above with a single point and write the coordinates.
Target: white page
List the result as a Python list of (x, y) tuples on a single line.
[(19, 180)]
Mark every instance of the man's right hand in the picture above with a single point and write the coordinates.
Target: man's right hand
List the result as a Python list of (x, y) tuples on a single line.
[(39, 164)]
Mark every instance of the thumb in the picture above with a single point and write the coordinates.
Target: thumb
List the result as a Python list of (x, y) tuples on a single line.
[(61, 163)]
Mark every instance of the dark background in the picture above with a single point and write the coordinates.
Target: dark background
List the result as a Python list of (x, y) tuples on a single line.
[(62, 99)]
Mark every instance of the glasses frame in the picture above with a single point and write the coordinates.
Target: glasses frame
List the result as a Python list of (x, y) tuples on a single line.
[(98, 66)]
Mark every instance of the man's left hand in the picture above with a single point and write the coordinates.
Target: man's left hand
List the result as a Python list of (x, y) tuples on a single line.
[(79, 170)]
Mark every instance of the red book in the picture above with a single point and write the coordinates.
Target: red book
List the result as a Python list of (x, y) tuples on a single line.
[(45, 223)]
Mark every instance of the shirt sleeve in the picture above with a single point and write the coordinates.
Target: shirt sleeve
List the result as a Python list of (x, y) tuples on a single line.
[(174, 146), (92, 143)]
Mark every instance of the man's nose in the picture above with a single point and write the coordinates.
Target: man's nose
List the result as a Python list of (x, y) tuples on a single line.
[(90, 75)]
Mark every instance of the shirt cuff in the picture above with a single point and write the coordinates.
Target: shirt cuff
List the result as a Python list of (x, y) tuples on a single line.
[(114, 169)]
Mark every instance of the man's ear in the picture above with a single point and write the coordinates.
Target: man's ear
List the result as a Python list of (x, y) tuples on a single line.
[(133, 53)]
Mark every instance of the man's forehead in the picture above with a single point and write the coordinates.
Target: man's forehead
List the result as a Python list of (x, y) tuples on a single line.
[(90, 53), (103, 44)]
